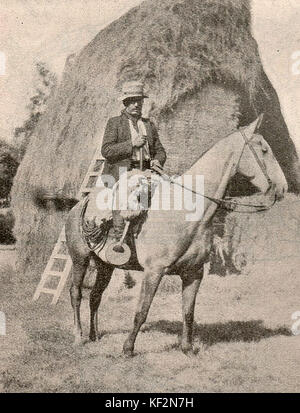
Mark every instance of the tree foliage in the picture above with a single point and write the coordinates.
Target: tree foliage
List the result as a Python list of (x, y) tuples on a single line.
[(9, 162), (46, 82)]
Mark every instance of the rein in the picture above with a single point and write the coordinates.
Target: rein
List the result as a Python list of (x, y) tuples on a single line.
[(229, 204)]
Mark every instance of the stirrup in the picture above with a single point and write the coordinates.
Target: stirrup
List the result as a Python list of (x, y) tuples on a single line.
[(118, 253)]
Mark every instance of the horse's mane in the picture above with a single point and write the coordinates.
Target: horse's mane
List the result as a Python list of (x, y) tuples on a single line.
[(212, 145)]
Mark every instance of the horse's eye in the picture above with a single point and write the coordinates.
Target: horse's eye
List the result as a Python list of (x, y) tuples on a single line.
[(264, 150)]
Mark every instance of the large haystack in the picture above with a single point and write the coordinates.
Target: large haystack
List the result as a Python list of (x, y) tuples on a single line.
[(201, 67)]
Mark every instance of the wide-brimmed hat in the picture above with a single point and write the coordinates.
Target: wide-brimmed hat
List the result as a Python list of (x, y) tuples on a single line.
[(132, 89)]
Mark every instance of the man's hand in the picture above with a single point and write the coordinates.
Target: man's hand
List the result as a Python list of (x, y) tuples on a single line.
[(155, 162), (140, 141)]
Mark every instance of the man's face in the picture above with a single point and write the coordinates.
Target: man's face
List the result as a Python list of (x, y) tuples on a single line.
[(134, 106)]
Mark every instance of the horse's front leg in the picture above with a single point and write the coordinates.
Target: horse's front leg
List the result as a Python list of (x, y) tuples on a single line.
[(149, 287), (190, 286)]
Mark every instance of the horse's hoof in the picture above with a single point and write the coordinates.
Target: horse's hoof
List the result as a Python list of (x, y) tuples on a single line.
[(128, 352), (188, 350), (78, 341), (95, 337)]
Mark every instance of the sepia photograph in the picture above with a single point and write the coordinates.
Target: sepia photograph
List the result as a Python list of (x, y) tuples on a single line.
[(150, 199)]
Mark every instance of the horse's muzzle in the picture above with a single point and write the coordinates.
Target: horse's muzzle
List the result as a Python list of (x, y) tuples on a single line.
[(279, 192), (276, 192)]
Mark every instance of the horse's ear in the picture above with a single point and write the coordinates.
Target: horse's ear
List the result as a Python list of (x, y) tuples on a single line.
[(260, 119), (250, 129)]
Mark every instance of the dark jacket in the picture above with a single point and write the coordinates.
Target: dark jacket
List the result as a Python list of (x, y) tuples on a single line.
[(117, 147)]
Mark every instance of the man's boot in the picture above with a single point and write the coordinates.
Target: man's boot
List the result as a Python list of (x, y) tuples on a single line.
[(119, 225)]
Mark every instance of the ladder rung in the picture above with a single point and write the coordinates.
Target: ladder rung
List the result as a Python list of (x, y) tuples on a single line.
[(89, 175), (56, 252), (94, 165), (60, 256), (94, 174), (48, 291), (94, 160), (55, 273)]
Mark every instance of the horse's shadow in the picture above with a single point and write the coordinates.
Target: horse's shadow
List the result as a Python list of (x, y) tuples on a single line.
[(230, 331)]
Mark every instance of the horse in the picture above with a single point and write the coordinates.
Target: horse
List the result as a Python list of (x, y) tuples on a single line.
[(168, 242)]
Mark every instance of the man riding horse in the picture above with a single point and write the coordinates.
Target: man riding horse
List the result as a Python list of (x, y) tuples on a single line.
[(131, 142)]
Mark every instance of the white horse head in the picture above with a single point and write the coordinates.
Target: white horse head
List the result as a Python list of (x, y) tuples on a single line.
[(258, 164)]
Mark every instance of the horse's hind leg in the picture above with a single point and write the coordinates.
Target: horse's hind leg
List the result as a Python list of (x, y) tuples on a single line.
[(190, 287), (78, 273), (149, 286), (104, 273)]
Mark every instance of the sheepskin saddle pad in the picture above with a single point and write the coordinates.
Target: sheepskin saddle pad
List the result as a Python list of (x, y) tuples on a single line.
[(131, 196)]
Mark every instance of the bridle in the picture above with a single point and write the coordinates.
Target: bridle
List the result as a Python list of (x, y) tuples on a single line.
[(259, 162), (229, 203)]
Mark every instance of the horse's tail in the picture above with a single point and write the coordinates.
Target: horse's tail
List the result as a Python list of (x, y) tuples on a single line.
[(48, 199)]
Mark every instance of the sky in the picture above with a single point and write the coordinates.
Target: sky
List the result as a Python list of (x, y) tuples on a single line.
[(50, 30)]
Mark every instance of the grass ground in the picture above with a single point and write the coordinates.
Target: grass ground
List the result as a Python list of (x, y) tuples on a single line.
[(243, 338)]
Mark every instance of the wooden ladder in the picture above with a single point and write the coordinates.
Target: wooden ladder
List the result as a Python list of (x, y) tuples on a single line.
[(60, 254)]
